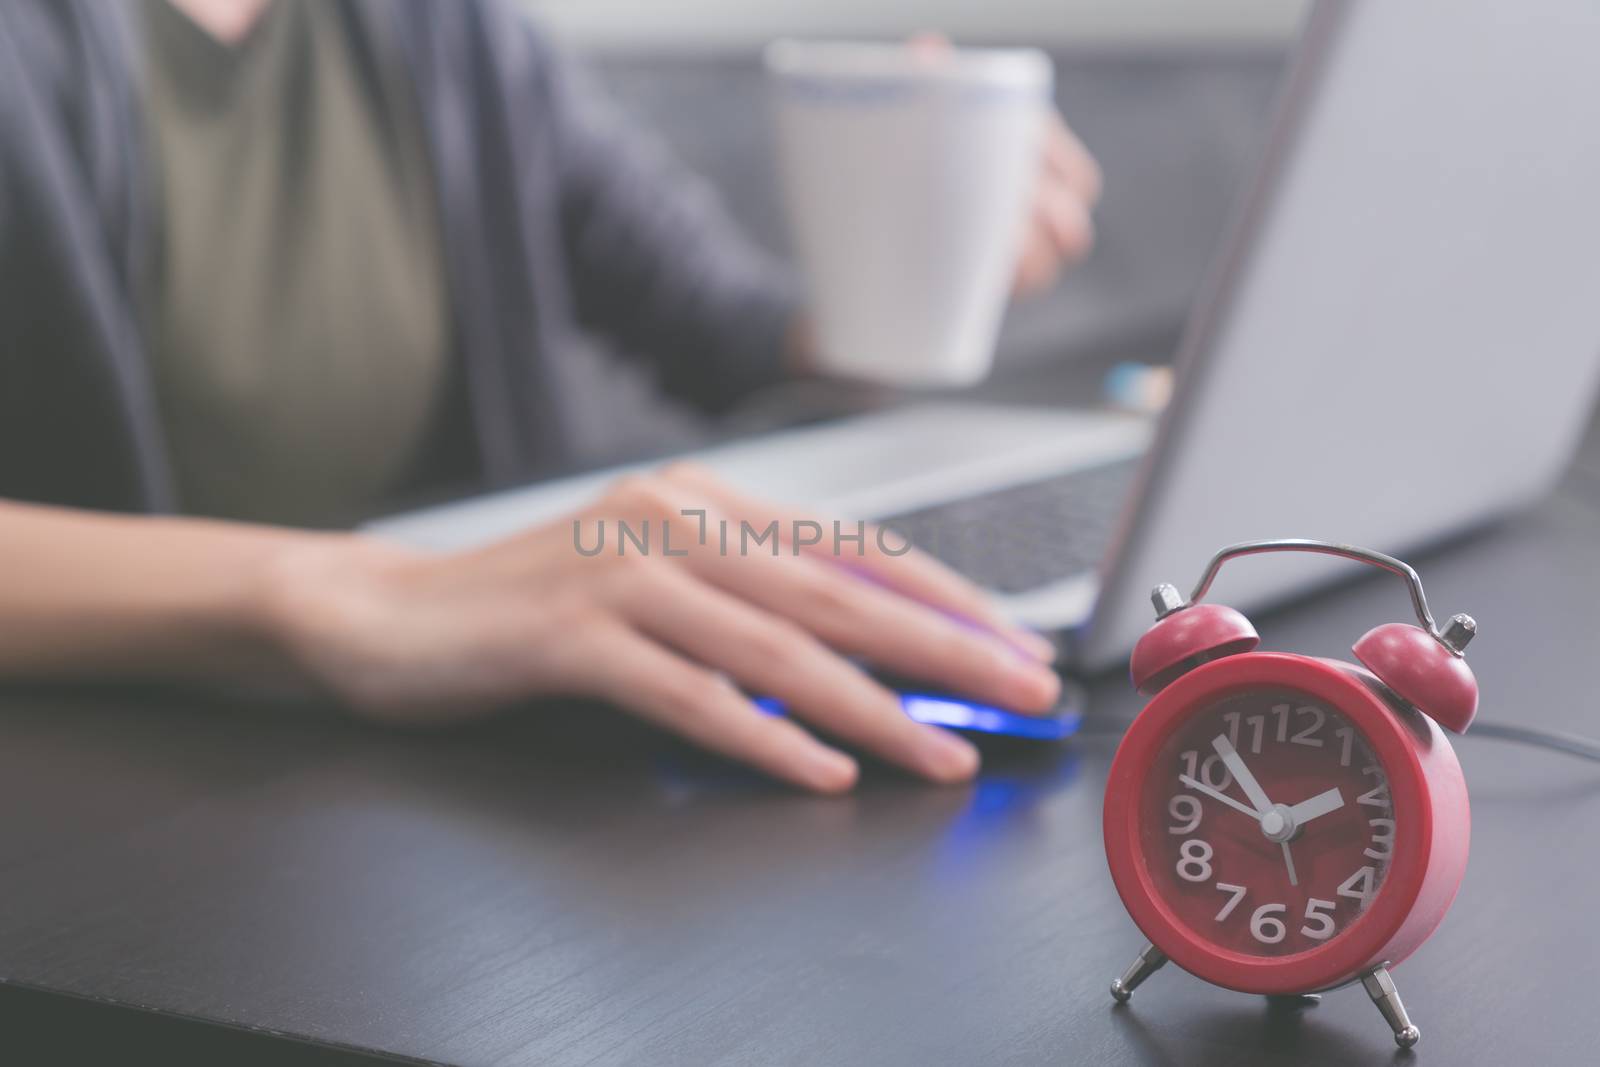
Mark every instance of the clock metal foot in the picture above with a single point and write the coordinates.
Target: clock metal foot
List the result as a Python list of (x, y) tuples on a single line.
[(1148, 962), (1294, 1001), (1380, 987)]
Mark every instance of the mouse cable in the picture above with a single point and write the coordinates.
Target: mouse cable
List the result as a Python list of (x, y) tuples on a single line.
[(1559, 740)]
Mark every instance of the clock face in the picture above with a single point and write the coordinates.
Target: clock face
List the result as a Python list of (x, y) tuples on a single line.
[(1266, 823)]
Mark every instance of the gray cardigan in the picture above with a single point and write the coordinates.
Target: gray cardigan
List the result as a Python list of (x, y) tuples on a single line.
[(556, 219)]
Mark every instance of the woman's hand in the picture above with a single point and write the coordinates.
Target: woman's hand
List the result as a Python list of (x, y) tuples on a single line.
[(1060, 229), (1061, 224), (404, 637)]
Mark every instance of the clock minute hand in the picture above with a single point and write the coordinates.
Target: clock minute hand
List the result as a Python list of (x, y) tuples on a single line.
[(1317, 806), (1253, 790), (1217, 795), (1247, 781)]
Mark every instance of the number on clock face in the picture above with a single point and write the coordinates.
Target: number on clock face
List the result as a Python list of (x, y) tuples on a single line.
[(1280, 880)]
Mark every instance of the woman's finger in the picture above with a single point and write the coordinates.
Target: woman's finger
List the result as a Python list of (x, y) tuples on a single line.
[(768, 655), (1038, 265), (704, 708), (1066, 158), (888, 630), (1066, 223), (880, 556)]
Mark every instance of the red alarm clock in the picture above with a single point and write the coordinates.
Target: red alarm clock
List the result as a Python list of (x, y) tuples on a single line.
[(1283, 824)]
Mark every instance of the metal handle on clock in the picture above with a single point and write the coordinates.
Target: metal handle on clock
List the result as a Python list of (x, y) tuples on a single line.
[(1449, 637)]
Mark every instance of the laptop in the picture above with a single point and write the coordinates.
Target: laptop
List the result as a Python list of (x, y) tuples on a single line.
[(1399, 339)]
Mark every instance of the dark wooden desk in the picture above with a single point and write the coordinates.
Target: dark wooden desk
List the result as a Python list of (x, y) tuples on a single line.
[(567, 888)]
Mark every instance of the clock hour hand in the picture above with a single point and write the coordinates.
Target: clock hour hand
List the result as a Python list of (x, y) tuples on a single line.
[(1247, 781), (1217, 795), (1317, 806)]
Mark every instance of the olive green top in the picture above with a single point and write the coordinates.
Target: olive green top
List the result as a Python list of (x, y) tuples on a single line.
[(297, 318)]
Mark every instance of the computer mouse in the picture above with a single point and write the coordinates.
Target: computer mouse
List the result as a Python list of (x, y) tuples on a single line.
[(938, 707)]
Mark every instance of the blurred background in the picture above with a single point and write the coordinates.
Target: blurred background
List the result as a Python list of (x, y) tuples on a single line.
[(742, 23), (1172, 97)]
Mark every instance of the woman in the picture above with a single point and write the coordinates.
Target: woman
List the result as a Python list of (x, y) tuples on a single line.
[(268, 263)]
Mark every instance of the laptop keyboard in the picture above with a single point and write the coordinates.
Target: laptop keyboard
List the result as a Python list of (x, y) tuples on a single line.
[(1024, 536)]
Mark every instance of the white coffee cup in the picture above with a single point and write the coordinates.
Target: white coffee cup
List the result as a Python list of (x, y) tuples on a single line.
[(907, 176)]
